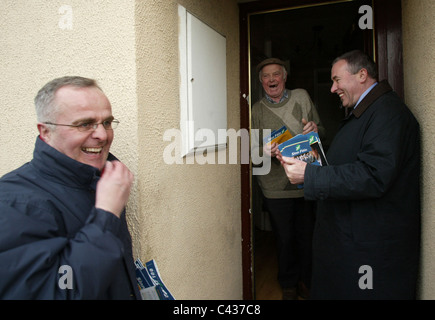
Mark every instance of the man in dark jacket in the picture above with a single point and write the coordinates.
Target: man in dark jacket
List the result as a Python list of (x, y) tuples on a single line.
[(367, 234), (63, 232)]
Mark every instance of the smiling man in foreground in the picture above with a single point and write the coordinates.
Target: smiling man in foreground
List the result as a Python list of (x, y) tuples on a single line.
[(63, 232), (366, 238)]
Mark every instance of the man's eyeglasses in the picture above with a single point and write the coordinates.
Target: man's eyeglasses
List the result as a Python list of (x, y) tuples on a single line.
[(88, 126)]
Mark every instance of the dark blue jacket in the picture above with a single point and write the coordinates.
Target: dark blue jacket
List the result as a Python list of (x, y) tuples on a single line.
[(54, 243)]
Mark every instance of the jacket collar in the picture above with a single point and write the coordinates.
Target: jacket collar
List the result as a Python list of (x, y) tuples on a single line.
[(63, 169), (379, 90)]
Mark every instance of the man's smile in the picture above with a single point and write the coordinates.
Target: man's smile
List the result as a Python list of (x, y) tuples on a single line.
[(92, 150)]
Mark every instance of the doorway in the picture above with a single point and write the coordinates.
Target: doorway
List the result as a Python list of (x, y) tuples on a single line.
[(307, 36)]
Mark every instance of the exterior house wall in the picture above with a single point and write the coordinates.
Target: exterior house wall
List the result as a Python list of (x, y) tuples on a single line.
[(419, 80)]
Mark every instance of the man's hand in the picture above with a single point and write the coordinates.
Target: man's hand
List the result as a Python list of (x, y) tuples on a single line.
[(271, 149), (113, 189), (294, 169), (309, 126)]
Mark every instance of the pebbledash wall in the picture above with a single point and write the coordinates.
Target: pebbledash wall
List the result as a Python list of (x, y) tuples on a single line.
[(190, 213), (419, 67), (186, 217)]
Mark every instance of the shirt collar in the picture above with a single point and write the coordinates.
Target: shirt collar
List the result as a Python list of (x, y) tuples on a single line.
[(284, 96), (365, 93), (63, 169)]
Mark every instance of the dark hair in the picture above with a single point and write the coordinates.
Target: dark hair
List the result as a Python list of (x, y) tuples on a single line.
[(357, 60)]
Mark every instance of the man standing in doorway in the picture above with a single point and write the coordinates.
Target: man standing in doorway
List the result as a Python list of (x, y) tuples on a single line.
[(367, 233), (291, 217)]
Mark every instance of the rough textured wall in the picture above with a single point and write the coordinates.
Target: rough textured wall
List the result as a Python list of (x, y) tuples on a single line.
[(191, 212), (35, 49), (187, 217), (419, 66)]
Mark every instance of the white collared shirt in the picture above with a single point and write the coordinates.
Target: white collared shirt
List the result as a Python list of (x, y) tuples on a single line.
[(365, 93)]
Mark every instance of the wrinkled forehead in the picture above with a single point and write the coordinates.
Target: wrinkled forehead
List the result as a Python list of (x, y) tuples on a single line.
[(81, 96), (86, 100), (271, 68)]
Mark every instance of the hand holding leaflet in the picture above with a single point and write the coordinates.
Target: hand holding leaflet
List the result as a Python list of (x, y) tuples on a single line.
[(299, 151)]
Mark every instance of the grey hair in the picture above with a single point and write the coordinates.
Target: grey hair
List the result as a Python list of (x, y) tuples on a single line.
[(357, 60), (44, 100)]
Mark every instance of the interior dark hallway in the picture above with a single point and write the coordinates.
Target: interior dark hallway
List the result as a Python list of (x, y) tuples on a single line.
[(307, 38)]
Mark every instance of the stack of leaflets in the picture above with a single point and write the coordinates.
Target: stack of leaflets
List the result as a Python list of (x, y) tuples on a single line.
[(304, 147), (278, 136), (150, 283)]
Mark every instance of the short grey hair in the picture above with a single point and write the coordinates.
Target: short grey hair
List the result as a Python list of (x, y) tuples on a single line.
[(357, 60), (44, 100)]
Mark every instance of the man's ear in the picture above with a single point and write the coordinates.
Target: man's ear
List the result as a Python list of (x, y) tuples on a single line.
[(44, 132), (363, 75)]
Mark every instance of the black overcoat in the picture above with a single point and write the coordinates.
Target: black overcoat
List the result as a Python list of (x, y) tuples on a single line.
[(366, 239)]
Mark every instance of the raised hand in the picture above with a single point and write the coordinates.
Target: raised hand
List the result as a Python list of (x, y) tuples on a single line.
[(114, 187)]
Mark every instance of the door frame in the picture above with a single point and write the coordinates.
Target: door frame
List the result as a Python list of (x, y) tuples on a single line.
[(387, 16)]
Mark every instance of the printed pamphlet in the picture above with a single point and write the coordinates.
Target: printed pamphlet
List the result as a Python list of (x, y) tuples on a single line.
[(305, 147), (278, 136), (150, 283)]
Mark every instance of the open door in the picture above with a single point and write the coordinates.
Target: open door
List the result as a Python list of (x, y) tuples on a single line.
[(308, 34)]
